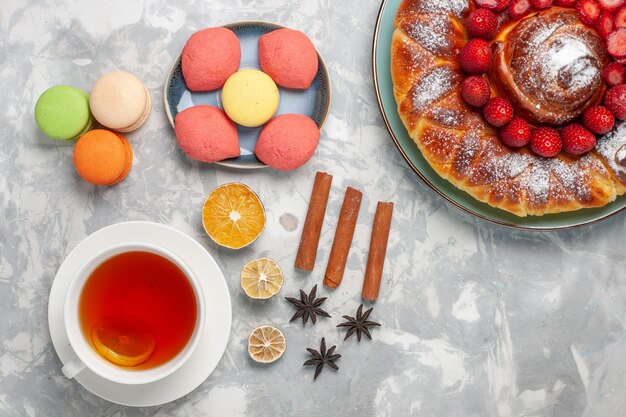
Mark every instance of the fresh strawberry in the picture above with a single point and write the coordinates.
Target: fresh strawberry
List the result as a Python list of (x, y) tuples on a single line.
[(620, 18), (516, 133), (611, 5), (482, 23), (605, 24), (495, 5), (541, 4), (588, 11), (616, 43), (475, 57), (545, 141), (518, 9), (498, 111), (577, 140), (475, 90), (615, 101), (565, 3), (598, 119), (614, 74)]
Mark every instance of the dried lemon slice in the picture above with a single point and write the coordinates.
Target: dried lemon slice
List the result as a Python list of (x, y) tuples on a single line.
[(266, 344), (123, 341), (261, 278), (233, 216)]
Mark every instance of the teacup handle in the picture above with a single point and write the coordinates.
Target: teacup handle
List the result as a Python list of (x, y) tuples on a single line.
[(73, 368)]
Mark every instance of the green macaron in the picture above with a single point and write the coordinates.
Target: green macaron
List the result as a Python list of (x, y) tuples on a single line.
[(62, 112)]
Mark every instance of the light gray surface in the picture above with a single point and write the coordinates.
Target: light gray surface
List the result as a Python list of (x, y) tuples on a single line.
[(478, 320)]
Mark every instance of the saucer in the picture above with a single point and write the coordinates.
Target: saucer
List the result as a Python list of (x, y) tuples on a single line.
[(212, 342), (313, 102)]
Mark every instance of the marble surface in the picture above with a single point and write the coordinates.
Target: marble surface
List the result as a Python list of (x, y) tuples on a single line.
[(478, 320)]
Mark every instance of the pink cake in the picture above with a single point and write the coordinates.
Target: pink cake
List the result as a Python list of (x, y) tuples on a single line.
[(206, 134), (209, 57), (289, 57), (287, 141)]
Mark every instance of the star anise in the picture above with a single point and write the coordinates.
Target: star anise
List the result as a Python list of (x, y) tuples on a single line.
[(308, 306), (359, 324), (321, 358)]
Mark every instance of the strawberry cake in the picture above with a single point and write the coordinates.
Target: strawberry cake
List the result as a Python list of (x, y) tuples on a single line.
[(520, 103)]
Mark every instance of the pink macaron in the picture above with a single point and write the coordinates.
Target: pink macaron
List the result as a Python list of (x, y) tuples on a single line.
[(289, 57), (209, 57), (287, 141), (206, 134)]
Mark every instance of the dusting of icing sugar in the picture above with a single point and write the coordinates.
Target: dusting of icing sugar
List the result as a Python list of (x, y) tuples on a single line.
[(543, 32), (456, 7), (559, 179), (568, 63), (439, 82), (620, 156), (555, 64), (433, 35), (502, 166), (441, 142), (512, 173), (612, 148), (575, 176), (447, 117), (517, 163), (538, 182), (468, 149), (418, 56)]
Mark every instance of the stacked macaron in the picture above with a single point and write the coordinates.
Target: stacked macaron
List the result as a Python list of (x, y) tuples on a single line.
[(249, 97), (62, 112), (102, 157), (119, 101)]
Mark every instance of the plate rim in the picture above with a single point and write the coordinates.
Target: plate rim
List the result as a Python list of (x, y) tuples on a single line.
[(320, 59), (441, 193)]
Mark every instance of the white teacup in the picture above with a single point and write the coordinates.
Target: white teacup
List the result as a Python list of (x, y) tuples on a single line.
[(86, 357)]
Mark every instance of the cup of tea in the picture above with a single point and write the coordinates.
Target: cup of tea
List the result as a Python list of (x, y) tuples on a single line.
[(133, 314)]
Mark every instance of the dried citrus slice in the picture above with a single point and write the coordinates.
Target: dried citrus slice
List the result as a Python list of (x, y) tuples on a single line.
[(266, 344), (123, 341), (233, 215), (261, 278)]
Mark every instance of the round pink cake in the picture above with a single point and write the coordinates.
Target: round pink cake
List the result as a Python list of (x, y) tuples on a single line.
[(287, 141), (209, 57), (289, 57), (206, 134)]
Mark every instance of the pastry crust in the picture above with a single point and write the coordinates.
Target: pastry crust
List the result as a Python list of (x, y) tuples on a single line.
[(462, 148)]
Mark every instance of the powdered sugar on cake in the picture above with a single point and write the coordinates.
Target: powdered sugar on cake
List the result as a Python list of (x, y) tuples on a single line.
[(556, 64), (432, 33), (434, 85), (485, 162), (569, 72), (569, 64), (456, 7), (447, 117), (612, 147)]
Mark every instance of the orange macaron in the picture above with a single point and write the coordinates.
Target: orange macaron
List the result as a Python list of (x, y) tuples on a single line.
[(102, 157)]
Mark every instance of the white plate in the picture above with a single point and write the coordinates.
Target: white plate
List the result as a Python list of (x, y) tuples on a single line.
[(213, 339)]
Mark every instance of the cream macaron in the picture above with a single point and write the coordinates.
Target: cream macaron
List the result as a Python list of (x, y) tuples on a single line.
[(120, 101), (250, 97)]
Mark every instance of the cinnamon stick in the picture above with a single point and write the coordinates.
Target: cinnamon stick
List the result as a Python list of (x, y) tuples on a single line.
[(378, 249), (343, 238), (307, 251)]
